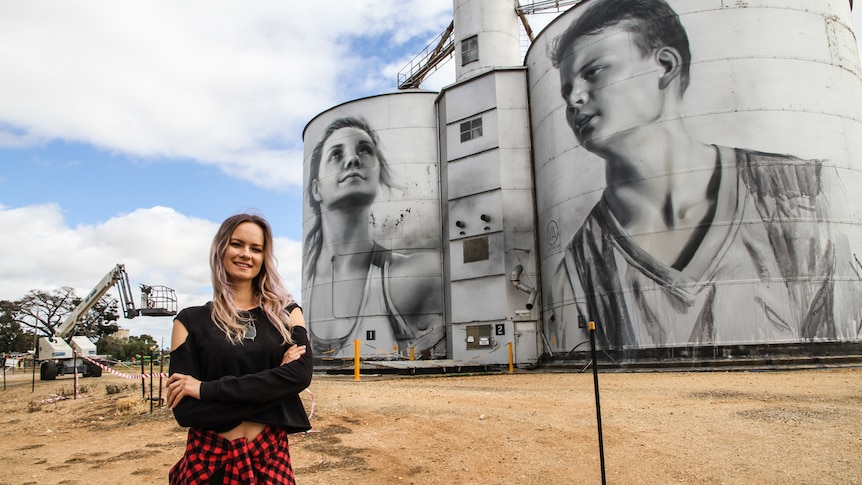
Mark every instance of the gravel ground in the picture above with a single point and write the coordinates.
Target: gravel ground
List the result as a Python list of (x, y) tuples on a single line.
[(528, 427)]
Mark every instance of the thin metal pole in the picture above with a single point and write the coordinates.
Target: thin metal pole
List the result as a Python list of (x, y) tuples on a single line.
[(35, 353), (592, 327), (75, 370), (161, 371), (151, 384)]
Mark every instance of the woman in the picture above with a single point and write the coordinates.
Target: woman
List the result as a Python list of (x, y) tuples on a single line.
[(355, 288), (238, 365)]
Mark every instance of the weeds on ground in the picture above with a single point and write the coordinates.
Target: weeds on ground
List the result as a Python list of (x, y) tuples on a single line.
[(70, 391), (116, 388), (131, 405)]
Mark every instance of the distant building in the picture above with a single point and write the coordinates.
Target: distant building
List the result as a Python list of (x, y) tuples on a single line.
[(121, 334)]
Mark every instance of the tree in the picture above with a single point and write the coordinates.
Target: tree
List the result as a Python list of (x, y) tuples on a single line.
[(44, 312), (144, 345), (112, 347), (125, 350), (12, 337)]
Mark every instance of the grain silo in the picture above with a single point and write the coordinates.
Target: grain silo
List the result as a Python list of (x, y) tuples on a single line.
[(695, 164)]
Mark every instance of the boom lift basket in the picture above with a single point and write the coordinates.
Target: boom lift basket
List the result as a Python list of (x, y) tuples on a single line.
[(158, 301)]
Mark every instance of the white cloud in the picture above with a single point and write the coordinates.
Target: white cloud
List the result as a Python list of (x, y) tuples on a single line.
[(158, 246), (230, 83)]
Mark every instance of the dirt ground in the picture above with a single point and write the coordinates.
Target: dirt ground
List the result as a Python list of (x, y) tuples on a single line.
[(528, 427)]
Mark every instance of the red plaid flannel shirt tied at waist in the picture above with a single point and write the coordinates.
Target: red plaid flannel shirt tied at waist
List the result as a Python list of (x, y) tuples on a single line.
[(265, 459)]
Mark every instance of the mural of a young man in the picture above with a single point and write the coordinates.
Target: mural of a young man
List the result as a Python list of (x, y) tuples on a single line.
[(355, 285), (690, 243)]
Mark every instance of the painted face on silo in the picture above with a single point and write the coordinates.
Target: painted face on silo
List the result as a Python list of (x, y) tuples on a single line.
[(610, 87), (349, 170)]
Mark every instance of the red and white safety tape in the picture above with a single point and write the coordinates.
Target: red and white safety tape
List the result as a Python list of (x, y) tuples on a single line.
[(311, 412), (123, 375), (52, 398)]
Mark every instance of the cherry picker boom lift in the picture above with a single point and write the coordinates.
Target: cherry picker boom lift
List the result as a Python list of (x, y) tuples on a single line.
[(57, 354)]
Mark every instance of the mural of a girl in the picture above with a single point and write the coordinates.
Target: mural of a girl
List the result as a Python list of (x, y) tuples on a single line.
[(356, 288)]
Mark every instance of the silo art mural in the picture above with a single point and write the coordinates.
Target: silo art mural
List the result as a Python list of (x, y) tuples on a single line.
[(695, 168), (372, 268)]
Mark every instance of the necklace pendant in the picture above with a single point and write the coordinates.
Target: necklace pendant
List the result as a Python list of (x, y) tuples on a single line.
[(250, 331)]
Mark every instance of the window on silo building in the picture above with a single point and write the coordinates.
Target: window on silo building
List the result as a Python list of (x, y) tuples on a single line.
[(471, 129), (469, 50)]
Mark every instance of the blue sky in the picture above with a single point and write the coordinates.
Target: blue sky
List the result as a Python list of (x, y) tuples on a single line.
[(92, 185), (130, 130)]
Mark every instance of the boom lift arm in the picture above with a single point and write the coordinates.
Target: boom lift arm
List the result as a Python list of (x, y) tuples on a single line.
[(118, 276)]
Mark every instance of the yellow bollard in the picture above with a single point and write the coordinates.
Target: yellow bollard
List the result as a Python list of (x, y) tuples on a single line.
[(356, 344), (412, 353), (511, 359)]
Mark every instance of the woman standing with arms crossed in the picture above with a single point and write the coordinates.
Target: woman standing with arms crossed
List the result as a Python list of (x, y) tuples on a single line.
[(238, 365)]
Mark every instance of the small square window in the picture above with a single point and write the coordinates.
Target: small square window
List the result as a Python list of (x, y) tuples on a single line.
[(479, 336), (469, 50), (471, 129)]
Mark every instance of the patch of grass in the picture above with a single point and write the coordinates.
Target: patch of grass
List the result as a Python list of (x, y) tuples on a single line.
[(70, 390), (132, 405), (116, 388)]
